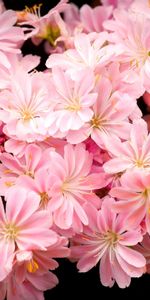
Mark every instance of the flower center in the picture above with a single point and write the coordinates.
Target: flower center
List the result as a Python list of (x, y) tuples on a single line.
[(32, 266), (11, 231), (26, 115), (50, 33), (139, 163), (44, 200), (74, 105), (29, 173), (146, 193), (65, 187), (111, 237), (96, 122)]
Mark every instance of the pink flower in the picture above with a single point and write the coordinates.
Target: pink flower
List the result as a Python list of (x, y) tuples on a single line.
[(72, 100), (131, 39), (12, 167), (22, 227), (31, 288), (25, 107), (74, 185), (107, 240), (38, 261), (48, 27), (32, 16), (134, 198), (30, 271), (88, 53), (132, 154), (110, 118), (10, 37), (30, 275)]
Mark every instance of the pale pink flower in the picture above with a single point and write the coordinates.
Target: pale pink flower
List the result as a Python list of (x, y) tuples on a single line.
[(74, 185), (106, 239), (12, 167), (72, 100), (88, 53), (11, 37), (22, 227), (110, 118), (131, 154), (25, 106), (134, 198), (131, 39), (48, 27), (32, 15)]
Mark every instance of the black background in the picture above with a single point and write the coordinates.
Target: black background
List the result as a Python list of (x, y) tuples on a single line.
[(73, 284)]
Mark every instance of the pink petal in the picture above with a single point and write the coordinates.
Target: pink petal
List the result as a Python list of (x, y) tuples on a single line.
[(11, 163), (63, 216), (125, 206), (130, 238), (87, 262), (43, 282), (7, 249), (85, 84), (106, 271), (83, 46), (123, 193), (80, 213), (91, 212), (136, 216), (117, 165), (122, 279), (20, 205), (131, 256), (32, 154), (130, 270), (62, 83)]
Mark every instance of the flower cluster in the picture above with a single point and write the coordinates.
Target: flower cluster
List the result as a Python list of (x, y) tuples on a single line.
[(74, 145)]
